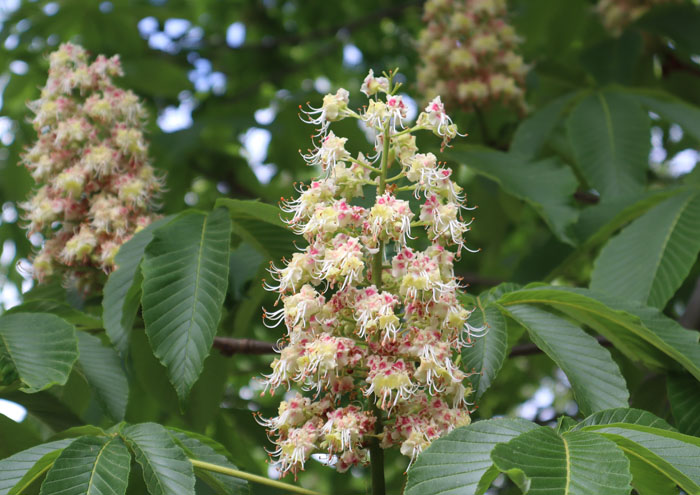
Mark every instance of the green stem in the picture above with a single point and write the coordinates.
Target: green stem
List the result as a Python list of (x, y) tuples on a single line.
[(398, 176), (376, 454), (410, 130), (406, 188), (368, 167), (251, 477)]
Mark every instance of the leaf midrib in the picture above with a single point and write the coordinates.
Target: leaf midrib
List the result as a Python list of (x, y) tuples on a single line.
[(150, 464), (94, 466), (568, 465), (200, 256)]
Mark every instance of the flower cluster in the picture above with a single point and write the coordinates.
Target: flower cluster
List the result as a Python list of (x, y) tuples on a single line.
[(618, 14), (468, 54), (91, 159), (374, 326)]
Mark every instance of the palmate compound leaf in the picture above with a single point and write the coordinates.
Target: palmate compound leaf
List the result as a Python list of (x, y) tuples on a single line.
[(166, 470), (122, 292), (205, 449), (185, 273), (642, 334), (542, 462), (664, 241), (90, 466), (485, 357), (42, 348), (456, 463), (20, 470), (595, 378)]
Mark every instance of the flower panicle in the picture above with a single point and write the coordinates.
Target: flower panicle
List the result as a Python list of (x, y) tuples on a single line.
[(90, 159), (469, 54), (371, 320)]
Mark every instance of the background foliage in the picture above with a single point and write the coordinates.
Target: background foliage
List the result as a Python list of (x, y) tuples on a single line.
[(596, 189)]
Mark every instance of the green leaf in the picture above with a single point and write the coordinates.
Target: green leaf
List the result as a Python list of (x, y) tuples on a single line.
[(185, 275), (204, 449), (664, 241), (20, 470), (684, 396), (61, 309), (646, 479), (80, 431), (487, 353), (533, 132), (614, 60), (673, 454), (609, 133), (456, 462), (166, 469), (90, 466), (624, 415), (597, 223), (104, 372), (260, 224), (122, 292), (595, 378), (576, 463), (41, 346), (564, 424), (649, 481), (523, 179), (642, 334)]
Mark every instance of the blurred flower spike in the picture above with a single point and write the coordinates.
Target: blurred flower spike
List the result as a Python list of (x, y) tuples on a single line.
[(468, 55), (374, 326), (90, 160), (616, 15)]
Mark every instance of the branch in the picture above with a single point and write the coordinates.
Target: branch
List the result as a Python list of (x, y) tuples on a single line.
[(230, 346)]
